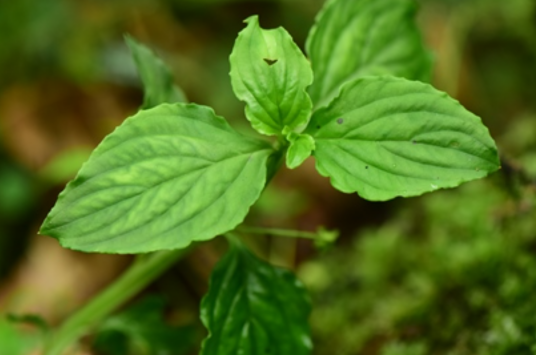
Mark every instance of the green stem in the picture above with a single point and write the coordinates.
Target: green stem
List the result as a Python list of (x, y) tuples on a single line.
[(145, 269), (289, 233)]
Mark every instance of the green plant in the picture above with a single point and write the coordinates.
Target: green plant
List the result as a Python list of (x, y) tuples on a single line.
[(176, 173)]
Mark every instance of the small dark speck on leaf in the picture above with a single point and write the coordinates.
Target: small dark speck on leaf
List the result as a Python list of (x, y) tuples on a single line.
[(270, 61), (366, 167), (340, 121), (317, 127), (414, 142)]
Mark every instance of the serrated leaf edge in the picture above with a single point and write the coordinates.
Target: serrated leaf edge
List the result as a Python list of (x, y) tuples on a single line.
[(97, 151), (335, 183)]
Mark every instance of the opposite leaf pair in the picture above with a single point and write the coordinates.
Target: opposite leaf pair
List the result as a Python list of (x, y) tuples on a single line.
[(379, 136), (178, 173)]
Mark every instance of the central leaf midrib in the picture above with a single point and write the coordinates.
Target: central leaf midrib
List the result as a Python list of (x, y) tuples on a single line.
[(178, 155), (390, 171), (140, 193), (243, 140), (408, 142), (189, 218), (216, 334), (191, 172)]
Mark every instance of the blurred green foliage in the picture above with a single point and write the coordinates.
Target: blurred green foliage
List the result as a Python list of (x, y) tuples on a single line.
[(17, 199), (16, 340), (142, 330), (31, 31), (16, 193), (453, 274)]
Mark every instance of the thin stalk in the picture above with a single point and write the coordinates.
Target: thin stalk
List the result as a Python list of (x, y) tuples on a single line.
[(288, 233), (145, 269)]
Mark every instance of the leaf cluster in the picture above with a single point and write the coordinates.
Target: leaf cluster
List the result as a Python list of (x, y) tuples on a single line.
[(176, 172)]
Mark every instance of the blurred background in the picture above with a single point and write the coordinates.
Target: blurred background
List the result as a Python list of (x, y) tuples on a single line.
[(452, 272)]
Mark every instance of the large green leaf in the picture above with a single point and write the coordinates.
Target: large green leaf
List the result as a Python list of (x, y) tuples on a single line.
[(385, 137), (254, 308), (270, 74), (157, 79), (167, 176), (354, 38)]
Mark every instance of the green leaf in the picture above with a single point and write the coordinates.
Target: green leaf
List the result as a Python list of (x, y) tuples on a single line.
[(254, 308), (355, 38), (156, 77), (166, 177), (301, 147), (270, 74), (141, 330), (385, 137)]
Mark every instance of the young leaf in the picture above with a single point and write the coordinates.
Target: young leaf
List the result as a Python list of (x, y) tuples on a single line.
[(301, 146), (254, 308), (354, 38), (384, 137), (156, 77), (166, 177), (270, 74)]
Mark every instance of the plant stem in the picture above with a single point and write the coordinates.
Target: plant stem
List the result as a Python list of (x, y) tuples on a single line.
[(289, 233), (145, 269)]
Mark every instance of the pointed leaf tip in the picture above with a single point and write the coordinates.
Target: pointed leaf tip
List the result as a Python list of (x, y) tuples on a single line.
[(384, 137), (164, 178)]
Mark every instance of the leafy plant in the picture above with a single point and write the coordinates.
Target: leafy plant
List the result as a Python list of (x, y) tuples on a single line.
[(176, 173)]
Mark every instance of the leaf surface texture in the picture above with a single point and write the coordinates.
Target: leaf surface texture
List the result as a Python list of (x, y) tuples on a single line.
[(164, 178), (254, 308), (355, 38), (385, 137), (270, 74)]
